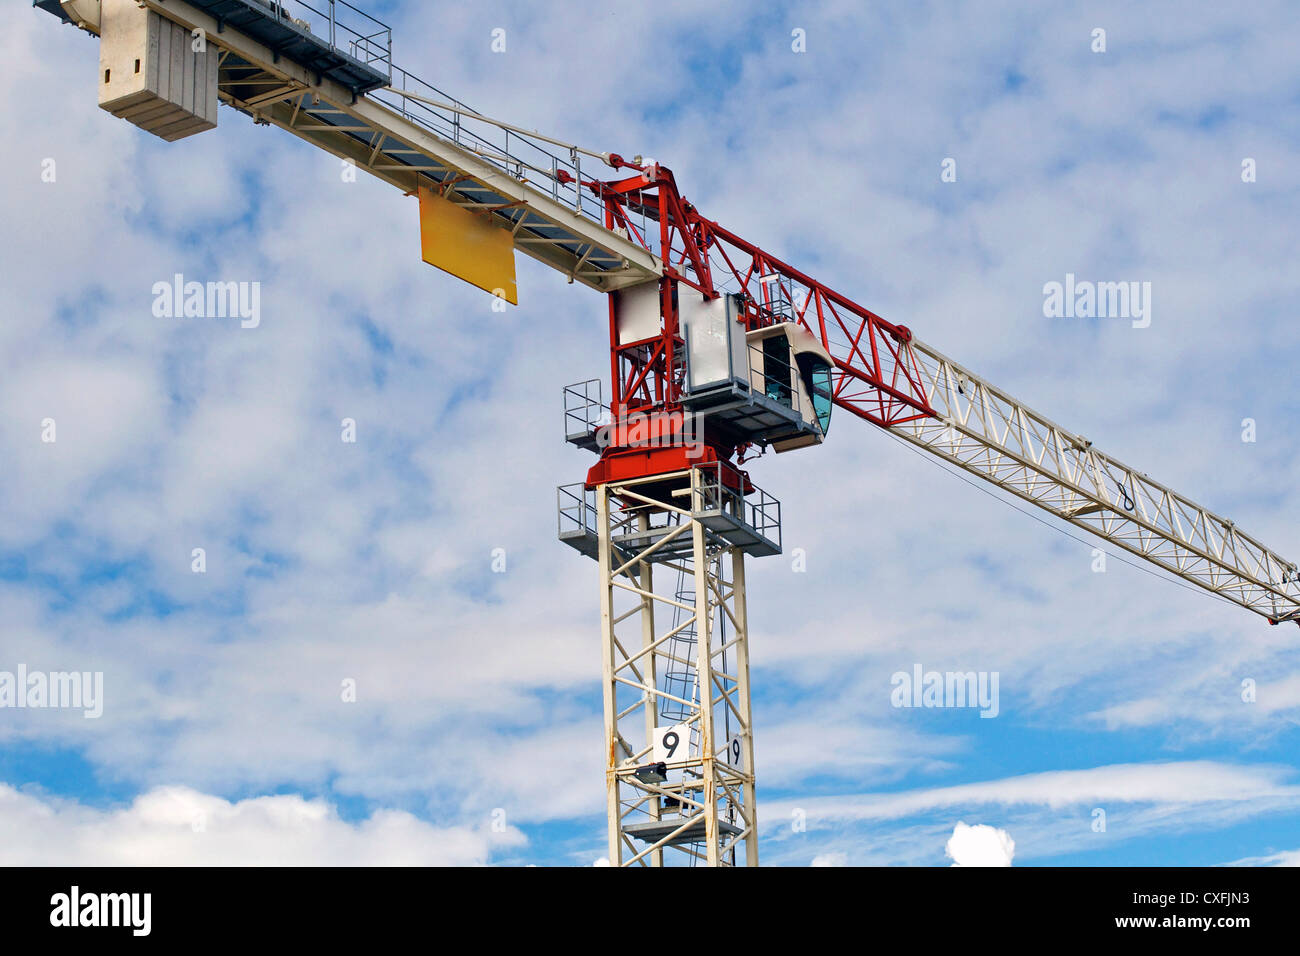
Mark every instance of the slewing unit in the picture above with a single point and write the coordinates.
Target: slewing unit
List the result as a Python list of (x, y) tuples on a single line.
[(769, 385)]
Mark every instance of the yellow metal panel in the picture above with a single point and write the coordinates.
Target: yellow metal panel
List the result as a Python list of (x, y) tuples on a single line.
[(467, 245)]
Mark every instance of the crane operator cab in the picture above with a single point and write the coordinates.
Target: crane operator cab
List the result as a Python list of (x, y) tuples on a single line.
[(770, 386)]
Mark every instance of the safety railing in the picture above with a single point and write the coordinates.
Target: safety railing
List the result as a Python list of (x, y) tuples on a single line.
[(576, 510), (718, 491), (348, 29), (534, 163), (526, 160), (748, 520), (584, 412)]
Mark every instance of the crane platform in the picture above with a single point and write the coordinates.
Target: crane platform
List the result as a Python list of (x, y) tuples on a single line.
[(365, 64), (354, 49), (652, 831), (750, 523)]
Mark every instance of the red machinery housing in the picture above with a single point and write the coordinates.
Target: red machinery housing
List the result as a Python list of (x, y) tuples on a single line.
[(699, 373)]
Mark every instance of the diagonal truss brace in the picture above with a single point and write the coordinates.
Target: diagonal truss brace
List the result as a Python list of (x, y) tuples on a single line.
[(986, 432)]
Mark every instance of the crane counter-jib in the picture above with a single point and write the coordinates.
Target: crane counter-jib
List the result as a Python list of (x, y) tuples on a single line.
[(390, 135)]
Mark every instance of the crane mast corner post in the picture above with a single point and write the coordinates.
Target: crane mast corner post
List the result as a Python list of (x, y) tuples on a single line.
[(717, 349)]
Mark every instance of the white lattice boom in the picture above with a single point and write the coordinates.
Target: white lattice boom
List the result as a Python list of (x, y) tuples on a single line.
[(988, 433)]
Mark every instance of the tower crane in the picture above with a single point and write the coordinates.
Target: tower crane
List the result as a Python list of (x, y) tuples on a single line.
[(718, 349)]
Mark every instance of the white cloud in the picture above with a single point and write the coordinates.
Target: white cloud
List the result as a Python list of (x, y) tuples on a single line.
[(1282, 858), (1187, 782), (979, 845), (1051, 813), (830, 859), (177, 826)]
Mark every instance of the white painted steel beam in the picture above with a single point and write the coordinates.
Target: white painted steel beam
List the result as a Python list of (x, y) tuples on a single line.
[(986, 432)]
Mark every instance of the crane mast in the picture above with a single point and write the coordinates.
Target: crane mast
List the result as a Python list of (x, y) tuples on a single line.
[(717, 348)]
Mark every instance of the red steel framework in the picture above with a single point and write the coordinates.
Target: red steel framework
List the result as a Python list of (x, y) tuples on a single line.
[(876, 375)]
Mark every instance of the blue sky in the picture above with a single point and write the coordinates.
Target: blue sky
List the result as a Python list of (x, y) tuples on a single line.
[(224, 737)]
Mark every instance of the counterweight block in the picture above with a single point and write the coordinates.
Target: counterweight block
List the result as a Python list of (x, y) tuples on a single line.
[(154, 73)]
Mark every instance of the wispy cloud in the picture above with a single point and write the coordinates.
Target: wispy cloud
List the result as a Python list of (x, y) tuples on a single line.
[(177, 826)]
